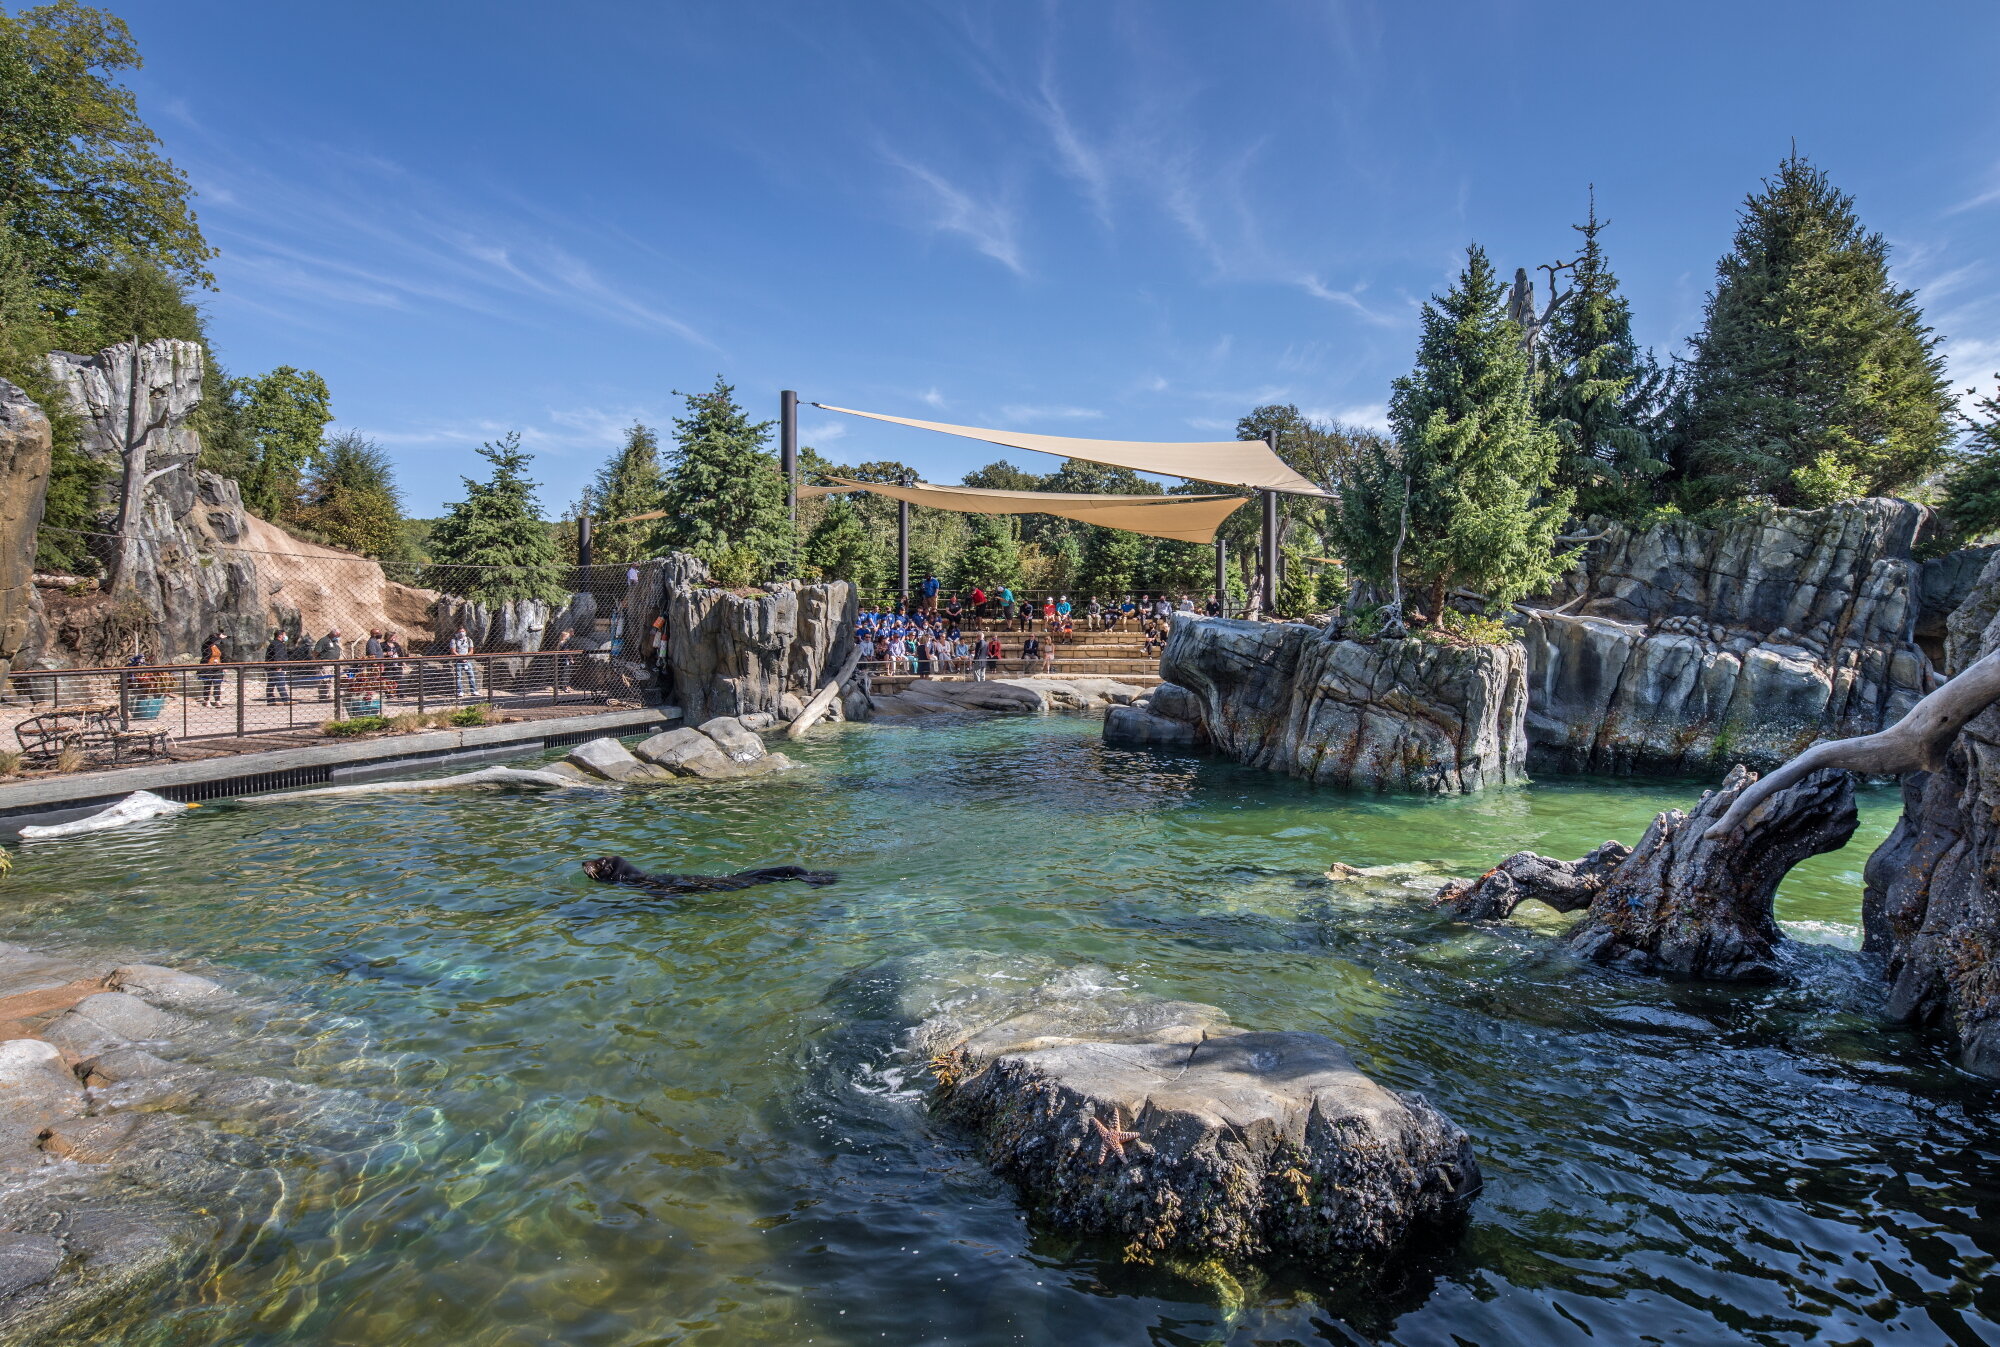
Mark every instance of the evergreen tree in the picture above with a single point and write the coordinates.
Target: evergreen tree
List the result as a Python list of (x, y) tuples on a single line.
[(1601, 392), (840, 548), (1463, 496), (1112, 560), (724, 494), (629, 483), (1813, 368), (498, 529), (992, 555), (1298, 586), (284, 414), (1972, 492), (351, 501)]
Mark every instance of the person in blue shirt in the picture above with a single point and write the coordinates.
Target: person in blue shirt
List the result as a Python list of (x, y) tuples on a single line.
[(930, 593), (1062, 606), (1007, 603)]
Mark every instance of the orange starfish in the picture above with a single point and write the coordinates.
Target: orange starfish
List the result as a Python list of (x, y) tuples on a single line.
[(1111, 1140)]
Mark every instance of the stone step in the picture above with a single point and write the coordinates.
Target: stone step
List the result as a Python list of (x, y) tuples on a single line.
[(888, 684)]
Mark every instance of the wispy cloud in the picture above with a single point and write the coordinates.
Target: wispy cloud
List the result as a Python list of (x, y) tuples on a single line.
[(933, 399), (826, 432), (1350, 299), (988, 225), (357, 230)]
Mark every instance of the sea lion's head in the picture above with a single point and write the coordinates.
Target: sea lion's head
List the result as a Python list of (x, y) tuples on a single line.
[(606, 869)]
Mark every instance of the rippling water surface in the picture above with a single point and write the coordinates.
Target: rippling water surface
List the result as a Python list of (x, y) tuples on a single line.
[(686, 1122)]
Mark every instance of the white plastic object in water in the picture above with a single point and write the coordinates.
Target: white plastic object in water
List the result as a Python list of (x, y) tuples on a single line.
[(137, 807)]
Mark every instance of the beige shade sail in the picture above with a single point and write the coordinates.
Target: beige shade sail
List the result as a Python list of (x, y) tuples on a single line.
[(1227, 462), (1188, 519)]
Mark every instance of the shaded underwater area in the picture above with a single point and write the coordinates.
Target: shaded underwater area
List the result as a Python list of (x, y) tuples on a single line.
[(691, 1120)]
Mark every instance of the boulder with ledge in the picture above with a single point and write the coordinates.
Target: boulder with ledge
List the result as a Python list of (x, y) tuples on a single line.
[(1157, 1124)]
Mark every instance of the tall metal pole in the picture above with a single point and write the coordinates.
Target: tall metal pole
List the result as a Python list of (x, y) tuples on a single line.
[(1221, 578), (583, 542), (1271, 539), (788, 448), (903, 550)]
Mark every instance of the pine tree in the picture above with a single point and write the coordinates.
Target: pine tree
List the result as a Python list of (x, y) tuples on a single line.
[(1298, 586), (351, 501), (498, 529), (1112, 560), (1464, 494), (840, 548), (285, 414), (724, 495), (629, 483), (992, 555), (1601, 392), (1813, 368), (1972, 492)]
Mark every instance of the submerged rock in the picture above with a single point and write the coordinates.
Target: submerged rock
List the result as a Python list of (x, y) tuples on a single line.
[(1135, 725), (1158, 1124), (1402, 715), (1025, 696)]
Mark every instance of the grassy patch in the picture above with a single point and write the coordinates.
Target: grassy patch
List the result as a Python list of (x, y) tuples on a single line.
[(348, 729)]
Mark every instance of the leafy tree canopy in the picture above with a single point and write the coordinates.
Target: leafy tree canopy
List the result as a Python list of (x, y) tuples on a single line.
[(284, 415), (350, 500)]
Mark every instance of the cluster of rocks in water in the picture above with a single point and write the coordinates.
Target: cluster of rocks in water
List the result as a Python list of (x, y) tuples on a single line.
[(146, 1125), (928, 696), (724, 748), (1158, 1125)]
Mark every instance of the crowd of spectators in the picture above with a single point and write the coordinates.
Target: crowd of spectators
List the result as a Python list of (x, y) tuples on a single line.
[(934, 632)]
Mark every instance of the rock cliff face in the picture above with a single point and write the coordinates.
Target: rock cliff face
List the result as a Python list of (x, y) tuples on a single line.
[(1932, 905), (731, 654), (193, 560), (1401, 715), (1689, 648), (24, 486)]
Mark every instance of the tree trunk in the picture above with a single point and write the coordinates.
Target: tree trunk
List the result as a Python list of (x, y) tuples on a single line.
[(1695, 901)]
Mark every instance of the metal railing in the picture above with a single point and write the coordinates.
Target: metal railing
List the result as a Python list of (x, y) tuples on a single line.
[(195, 701)]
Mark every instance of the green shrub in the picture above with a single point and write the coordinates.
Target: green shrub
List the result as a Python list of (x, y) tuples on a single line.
[(470, 717), (347, 729), (1456, 628)]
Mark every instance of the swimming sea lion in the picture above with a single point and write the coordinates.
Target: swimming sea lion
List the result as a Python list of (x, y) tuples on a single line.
[(618, 870)]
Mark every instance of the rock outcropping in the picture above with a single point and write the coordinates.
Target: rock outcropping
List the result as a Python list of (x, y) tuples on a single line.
[(737, 654), (929, 696), (192, 560), (1402, 715), (24, 486), (1688, 648), (1157, 1124), (1932, 904)]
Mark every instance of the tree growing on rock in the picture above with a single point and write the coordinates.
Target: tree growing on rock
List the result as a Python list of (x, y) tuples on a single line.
[(724, 494), (1972, 492), (497, 534), (1601, 392), (630, 483), (1814, 375), (1463, 498)]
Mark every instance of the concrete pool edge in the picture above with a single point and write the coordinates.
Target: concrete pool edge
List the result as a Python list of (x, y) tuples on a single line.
[(249, 773)]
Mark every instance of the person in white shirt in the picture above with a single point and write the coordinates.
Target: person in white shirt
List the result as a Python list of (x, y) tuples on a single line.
[(468, 677), (1186, 605)]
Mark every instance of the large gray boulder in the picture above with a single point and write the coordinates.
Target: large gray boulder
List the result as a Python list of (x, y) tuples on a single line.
[(1401, 715), (687, 752), (1136, 727), (1687, 647), (609, 760), (24, 487), (1158, 1124), (731, 653), (729, 734), (111, 1020)]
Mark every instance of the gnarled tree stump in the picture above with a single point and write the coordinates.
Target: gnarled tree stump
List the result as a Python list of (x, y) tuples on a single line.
[(1694, 899), (1563, 885)]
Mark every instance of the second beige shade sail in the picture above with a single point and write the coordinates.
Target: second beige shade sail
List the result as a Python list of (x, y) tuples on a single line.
[(1188, 519)]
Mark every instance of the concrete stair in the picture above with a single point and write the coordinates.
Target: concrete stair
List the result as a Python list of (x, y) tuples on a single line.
[(1087, 654)]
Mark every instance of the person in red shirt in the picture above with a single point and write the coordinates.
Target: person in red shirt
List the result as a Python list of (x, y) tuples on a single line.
[(978, 600), (994, 652)]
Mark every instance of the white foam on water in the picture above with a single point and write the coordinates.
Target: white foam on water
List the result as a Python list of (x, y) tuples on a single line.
[(1839, 934)]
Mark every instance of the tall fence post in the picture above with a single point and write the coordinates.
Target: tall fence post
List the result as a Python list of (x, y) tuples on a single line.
[(239, 701), (583, 546), (788, 448), (1221, 578)]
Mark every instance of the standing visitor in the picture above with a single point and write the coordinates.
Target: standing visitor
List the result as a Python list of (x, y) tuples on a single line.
[(930, 593), (978, 601), (277, 683), (995, 652), (1006, 603), (328, 650), (1215, 605), (373, 649), (393, 652), (212, 660), (467, 677), (559, 682), (1048, 657), (978, 660)]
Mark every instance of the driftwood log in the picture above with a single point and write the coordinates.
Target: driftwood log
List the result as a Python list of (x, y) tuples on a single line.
[(1563, 885), (1694, 898), (1916, 743)]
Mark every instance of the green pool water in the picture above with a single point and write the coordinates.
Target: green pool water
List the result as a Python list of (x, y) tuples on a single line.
[(643, 1122)]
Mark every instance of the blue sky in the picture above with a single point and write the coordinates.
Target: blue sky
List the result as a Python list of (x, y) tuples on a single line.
[(1123, 220)]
